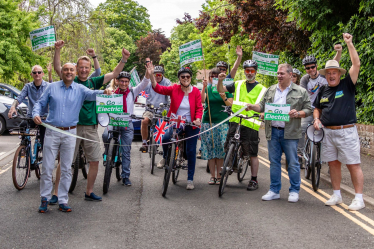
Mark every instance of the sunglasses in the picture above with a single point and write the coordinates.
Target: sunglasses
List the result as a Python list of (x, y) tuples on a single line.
[(38, 72), (185, 77), (250, 71), (158, 75), (312, 67), (214, 76), (147, 62), (223, 69)]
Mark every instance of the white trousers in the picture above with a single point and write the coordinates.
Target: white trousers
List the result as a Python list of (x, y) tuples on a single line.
[(53, 142)]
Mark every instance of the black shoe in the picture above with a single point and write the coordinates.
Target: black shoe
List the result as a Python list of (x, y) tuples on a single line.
[(144, 148), (126, 181), (252, 185)]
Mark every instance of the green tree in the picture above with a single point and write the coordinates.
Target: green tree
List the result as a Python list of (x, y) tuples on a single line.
[(16, 56), (126, 15)]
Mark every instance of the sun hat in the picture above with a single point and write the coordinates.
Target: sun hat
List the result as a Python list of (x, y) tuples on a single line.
[(332, 64)]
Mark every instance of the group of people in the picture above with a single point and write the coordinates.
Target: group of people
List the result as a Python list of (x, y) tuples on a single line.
[(70, 106)]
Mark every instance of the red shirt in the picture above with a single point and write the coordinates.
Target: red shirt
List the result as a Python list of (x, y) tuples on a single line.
[(176, 96)]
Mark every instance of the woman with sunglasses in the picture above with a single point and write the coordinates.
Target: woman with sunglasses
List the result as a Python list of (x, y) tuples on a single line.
[(215, 155), (185, 100)]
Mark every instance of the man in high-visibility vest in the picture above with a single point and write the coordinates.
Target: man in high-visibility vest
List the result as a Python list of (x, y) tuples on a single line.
[(247, 91)]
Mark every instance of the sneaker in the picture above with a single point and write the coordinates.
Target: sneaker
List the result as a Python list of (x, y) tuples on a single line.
[(144, 148), (92, 197), (270, 195), (252, 185), (199, 155), (161, 163), (126, 181), (212, 181), (334, 200), (356, 204), (190, 185), (64, 207), (53, 200), (293, 197), (43, 205)]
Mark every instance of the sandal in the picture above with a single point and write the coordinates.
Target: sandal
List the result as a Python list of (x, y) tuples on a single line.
[(212, 181), (218, 181)]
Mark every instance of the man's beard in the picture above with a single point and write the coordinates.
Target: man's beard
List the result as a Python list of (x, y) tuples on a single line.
[(250, 78)]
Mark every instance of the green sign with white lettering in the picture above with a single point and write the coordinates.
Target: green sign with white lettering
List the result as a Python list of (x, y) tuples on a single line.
[(277, 112), (43, 37), (267, 63), (190, 52)]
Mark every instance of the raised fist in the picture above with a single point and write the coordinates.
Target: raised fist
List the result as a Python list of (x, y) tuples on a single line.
[(90, 52), (347, 37), (125, 53), (59, 44)]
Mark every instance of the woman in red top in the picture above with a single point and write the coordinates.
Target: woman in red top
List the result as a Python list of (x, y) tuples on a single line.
[(185, 100)]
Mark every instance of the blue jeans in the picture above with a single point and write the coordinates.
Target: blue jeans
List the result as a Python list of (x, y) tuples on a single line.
[(127, 134), (277, 145), (190, 147)]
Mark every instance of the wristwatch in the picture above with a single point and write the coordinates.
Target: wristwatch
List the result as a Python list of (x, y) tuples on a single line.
[(123, 61), (298, 114), (225, 99), (93, 57)]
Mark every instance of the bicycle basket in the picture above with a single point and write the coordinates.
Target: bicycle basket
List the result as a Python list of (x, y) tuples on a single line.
[(315, 135)]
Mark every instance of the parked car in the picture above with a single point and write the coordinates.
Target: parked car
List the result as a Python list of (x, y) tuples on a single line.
[(11, 92), (5, 122)]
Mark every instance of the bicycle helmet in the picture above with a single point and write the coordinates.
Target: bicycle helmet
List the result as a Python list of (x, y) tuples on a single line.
[(250, 63), (159, 69), (124, 74), (184, 70), (309, 59), (222, 64), (296, 71)]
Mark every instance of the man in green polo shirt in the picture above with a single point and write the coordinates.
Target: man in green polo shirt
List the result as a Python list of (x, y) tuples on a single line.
[(87, 125)]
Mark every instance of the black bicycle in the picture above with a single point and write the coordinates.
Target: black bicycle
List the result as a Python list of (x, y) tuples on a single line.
[(234, 156), (112, 158), (312, 155), (176, 158), (153, 148), (80, 162)]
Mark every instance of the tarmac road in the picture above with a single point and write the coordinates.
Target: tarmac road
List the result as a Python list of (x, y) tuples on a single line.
[(139, 217)]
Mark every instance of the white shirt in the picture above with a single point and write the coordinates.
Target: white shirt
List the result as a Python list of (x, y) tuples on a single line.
[(184, 109), (280, 98), (313, 87)]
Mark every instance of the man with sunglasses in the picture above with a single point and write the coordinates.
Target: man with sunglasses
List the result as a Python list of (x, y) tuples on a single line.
[(247, 91), (154, 99), (32, 91), (87, 125), (223, 66), (312, 82)]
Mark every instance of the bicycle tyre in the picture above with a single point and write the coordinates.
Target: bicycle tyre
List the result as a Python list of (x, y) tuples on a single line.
[(74, 178), (84, 164), (153, 151), (168, 168), (225, 173), (108, 167), (308, 163), (20, 168), (118, 173), (38, 162), (245, 167), (315, 168)]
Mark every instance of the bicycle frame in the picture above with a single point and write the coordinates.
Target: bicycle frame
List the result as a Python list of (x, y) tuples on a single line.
[(31, 150)]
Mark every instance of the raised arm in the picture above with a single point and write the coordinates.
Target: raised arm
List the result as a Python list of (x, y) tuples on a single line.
[(109, 76), (49, 68), (220, 87), (97, 72), (338, 48), (205, 88), (355, 68), (56, 59), (239, 53)]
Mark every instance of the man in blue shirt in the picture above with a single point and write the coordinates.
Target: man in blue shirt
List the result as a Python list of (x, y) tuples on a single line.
[(32, 91), (65, 99)]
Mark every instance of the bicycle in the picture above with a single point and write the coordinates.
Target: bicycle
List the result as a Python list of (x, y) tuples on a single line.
[(153, 149), (112, 158), (175, 157), (26, 157), (80, 162), (312, 155), (234, 157)]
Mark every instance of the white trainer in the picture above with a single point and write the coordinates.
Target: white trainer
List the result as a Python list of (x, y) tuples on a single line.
[(190, 185), (270, 195), (334, 200), (356, 204), (293, 197), (161, 163)]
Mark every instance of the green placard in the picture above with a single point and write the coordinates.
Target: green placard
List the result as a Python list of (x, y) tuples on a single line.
[(119, 119), (267, 63), (109, 103), (277, 112), (190, 52), (43, 37)]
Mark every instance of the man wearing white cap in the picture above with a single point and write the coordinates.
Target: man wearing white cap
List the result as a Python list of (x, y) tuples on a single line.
[(335, 110)]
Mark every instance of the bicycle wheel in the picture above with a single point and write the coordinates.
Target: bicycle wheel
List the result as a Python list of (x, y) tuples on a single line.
[(74, 172), (315, 167), (118, 173), (168, 168), (109, 166), (83, 163), (175, 171), (307, 171), (38, 162), (242, 169), (21, 167), (153, 151), (227, 166)]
